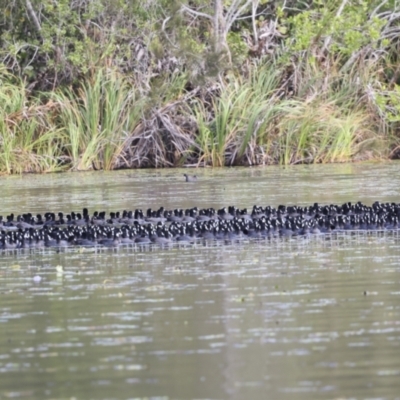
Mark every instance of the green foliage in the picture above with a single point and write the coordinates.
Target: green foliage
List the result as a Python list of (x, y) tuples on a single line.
[(238, 48), (55, 43), (59, 43), (388, 103), (347, 31)]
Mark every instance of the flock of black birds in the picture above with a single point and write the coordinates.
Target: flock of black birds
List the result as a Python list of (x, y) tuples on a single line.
[(164, 227)]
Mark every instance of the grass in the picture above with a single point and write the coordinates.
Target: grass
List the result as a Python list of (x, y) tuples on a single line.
[(232, 129), (243, 119), (333, 124), (28, 140), (98, 121), (249, 122)]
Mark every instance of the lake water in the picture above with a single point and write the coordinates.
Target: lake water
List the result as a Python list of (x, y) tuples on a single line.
[(315, 318)]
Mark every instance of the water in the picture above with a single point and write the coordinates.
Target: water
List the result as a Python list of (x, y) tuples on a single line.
[(314, 318)]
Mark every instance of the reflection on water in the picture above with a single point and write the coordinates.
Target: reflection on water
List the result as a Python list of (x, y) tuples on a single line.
[(315, 318)]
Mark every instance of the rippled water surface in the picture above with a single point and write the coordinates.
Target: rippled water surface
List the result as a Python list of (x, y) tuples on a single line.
[(315, 318)]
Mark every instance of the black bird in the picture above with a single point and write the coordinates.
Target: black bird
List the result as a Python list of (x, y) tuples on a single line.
[(190, 178)]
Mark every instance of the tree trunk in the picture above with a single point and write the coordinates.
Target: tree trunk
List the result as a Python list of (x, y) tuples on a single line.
[(219, 26)]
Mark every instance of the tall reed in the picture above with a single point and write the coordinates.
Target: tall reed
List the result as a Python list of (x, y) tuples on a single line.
[(233, 130), (330, 122), (99, 120), (29, 142)]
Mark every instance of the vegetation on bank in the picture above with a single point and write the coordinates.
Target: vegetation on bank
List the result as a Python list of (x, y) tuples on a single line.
[(105, 84)]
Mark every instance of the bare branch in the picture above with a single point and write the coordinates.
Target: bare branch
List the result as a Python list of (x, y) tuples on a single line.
[(232, 14), (196, 13), (165, 33), (253, 20), (32, 15), (378, 8)]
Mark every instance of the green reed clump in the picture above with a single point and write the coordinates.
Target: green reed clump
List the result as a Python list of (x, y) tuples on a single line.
[(29, 142), (234, 128), (98, 120), (330, 122), (313, 133), (252, 120)]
